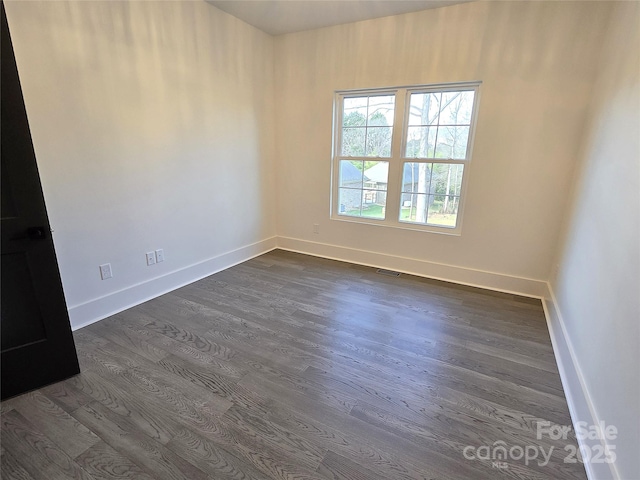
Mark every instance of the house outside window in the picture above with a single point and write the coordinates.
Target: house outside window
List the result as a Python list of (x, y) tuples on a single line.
[(400, 155)]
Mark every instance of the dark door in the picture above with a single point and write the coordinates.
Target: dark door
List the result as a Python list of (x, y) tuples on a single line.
[(37, 345)]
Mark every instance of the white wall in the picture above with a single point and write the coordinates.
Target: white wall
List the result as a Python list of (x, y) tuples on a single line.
[(537, 61), (597, 285), (153, 128)]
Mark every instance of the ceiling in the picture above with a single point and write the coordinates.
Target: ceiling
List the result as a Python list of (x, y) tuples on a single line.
[(277, 17)]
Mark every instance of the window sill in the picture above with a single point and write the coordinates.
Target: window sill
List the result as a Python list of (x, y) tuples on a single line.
[(452, 232)]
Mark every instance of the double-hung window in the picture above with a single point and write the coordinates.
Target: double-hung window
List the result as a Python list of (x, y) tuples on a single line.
[(400, 155)]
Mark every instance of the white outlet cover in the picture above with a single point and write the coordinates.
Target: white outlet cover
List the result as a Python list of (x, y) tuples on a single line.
[(105, 271), (159, 255), (151, 258)]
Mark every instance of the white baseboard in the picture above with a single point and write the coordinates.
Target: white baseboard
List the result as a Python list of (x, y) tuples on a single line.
[(581, 406), (96, 309), (450, 273), (90, 312)]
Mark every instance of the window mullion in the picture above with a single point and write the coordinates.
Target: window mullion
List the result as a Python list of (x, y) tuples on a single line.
[(337, 142), (395, 165)]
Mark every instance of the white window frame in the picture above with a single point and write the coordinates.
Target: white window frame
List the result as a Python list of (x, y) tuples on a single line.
[(397, 159)]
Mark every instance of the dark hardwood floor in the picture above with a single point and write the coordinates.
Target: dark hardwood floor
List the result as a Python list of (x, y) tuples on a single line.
[(294, 367)]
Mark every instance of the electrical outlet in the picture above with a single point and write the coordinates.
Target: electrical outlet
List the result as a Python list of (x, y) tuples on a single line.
[(316, 228), (105, 271), (151, 258), (159, 255)]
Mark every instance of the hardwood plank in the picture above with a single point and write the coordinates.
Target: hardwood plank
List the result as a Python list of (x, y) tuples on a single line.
[(148, 377), (11, 469), (136, 325), (45, 459), (305, 453), (273, 385), (345, 435), (66, 395), (200, 343), (155, 416), (139, 410), (121, 435), (104, 463), (129, 340), (246, 354), (7, 405), (212, 457), (478, 387), (233, 393), (457, 435), (66, 432), (337, 467)]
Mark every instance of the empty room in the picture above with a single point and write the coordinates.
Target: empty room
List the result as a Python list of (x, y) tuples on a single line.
[(282, 239)]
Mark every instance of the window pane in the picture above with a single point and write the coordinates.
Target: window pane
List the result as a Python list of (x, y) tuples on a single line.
[(349, 201), (446, 179), (373, 203), (381, 110), (424, 108), (367, 126), (376, 175), (439, 125), (413, 208), (362, 203), (354, 113), (351, 173), (369, 201), (408, 207), (452, 142), (378, 142), (421, 142), (456, 108), (437, 210), (353, 140), (431, 193), (443, 210), (416, 177)]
